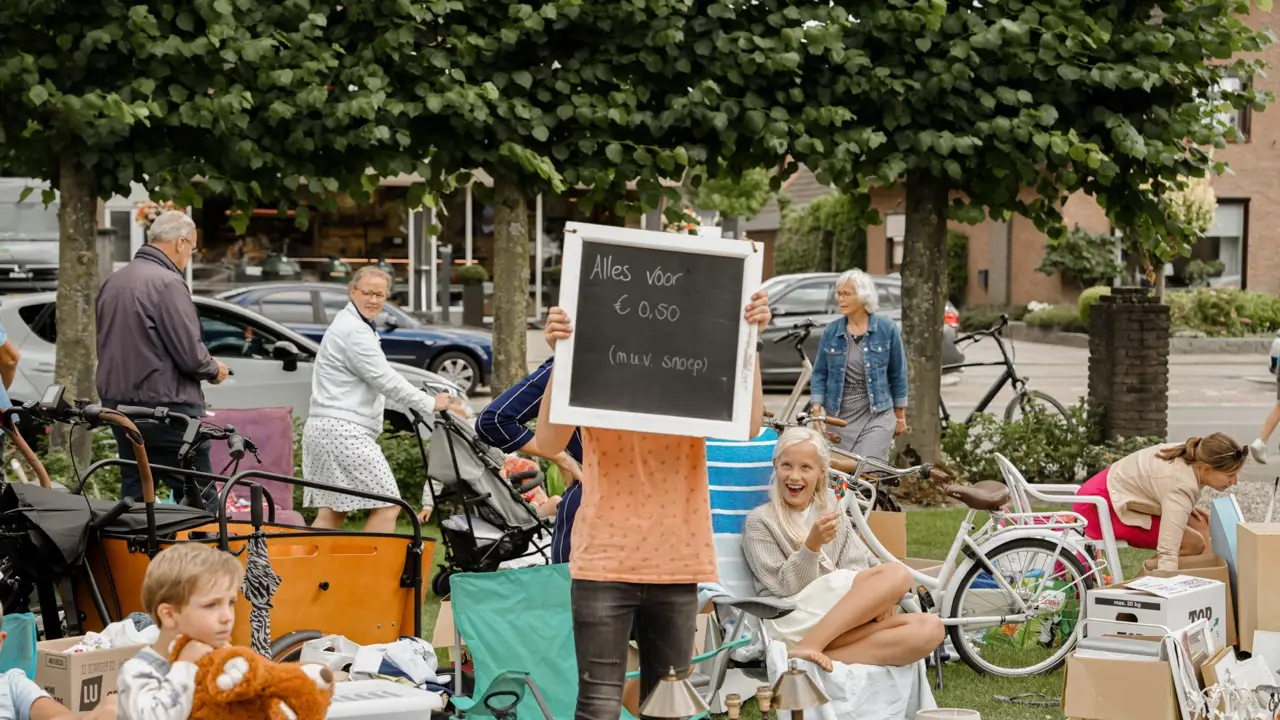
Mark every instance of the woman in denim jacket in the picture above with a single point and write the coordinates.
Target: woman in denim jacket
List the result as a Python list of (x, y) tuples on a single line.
[(860, 375)]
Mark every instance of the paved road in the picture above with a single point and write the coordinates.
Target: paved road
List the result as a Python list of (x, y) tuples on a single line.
[(1207, 393)]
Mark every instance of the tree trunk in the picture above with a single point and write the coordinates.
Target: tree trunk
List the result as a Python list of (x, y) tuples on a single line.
[(924, 265), (510, 284), (77, 350)]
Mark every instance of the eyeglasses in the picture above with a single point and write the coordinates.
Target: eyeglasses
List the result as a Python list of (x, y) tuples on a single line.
[(371, 295)]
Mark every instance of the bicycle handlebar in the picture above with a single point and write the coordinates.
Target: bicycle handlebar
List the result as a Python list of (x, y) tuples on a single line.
[(196, 431), (863, 465), (989, 332)]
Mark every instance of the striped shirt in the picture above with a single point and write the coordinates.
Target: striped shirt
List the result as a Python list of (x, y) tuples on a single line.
[(503, 422)]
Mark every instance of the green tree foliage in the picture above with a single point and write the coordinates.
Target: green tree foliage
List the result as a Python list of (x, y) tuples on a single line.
[(744, 196), (1083, 257), (827, 235), (968, 105), (957, 266)]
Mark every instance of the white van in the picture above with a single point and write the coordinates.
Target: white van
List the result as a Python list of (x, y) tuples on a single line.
[(28, 237)]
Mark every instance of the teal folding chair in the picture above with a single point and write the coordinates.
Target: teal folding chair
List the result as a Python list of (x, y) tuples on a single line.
[(519, 629), (19, 650)]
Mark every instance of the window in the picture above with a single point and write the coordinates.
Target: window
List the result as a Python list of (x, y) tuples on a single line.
[(890, 296), (290, 306), (42, 319), (122, 222), (811, 298), (230, 335), (333, 302), (1227, 119), (895, 234), (1227, 234), (30, 218)]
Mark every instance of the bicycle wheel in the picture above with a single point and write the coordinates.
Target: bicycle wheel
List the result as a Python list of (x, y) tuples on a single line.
[(1037, 645), (1026, 398)]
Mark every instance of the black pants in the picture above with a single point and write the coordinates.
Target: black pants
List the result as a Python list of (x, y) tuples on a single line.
[(665, 618), (163, 441)]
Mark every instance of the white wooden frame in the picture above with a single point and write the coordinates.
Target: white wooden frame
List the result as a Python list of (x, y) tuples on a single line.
[(562, 412)]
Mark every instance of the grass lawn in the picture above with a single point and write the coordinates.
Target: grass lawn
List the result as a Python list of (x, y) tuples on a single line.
[(929, 535)]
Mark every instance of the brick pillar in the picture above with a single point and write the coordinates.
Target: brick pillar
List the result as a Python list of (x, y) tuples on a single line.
[(1129, 363)]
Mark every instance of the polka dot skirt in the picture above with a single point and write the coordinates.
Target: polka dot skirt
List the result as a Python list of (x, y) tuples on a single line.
[(345, 455)]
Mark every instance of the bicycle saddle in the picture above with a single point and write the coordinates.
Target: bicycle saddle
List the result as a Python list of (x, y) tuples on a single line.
[(985, 495)]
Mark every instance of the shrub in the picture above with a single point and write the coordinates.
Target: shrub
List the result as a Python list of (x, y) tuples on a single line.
[(1088, 298), (1057, 317), (957, 266), (828, 230), (473, 274), (1082, 256), (1224, 312), (1044, 447), (981, 317)]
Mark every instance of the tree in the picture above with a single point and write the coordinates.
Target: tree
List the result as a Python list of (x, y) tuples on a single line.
[(1192, 208), (984, 109), (263, 101), (827, 235), (741, 197)]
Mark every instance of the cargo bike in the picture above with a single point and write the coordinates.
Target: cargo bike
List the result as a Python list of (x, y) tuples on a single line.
[(85, 559)]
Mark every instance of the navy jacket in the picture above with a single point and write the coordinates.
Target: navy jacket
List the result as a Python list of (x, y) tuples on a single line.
[(502, 425)]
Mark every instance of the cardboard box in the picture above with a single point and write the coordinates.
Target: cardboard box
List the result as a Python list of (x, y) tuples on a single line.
[(1212, 567), (1119, 605), (1258, 577), (890, 528), (442, 635), (80, 681), (1104, 689)]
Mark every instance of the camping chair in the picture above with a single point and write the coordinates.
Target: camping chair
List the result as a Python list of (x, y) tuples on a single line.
[(518, 626), (271, 429), (740, 474)]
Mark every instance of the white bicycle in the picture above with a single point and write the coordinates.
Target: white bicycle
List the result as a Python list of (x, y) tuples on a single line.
[(1011, 590)]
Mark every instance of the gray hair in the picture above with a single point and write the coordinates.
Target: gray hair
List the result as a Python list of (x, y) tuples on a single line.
[(365, 272), (863, 286), (170, 227), (794, 523)]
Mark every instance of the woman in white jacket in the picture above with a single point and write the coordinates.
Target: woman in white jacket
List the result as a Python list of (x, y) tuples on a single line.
[(349, 387)]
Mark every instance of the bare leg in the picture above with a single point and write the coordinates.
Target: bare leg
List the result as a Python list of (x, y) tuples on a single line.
[(874, 592), (327, 519), (1200, 543), (382, 520), (900, 640)]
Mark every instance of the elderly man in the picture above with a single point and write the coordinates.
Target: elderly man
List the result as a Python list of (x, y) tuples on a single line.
[(150, 351)]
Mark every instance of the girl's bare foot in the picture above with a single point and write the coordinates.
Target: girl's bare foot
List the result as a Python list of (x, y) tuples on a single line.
[(800, 652)]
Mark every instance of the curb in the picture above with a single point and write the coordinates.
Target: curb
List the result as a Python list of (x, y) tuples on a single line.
[(1177, 345)]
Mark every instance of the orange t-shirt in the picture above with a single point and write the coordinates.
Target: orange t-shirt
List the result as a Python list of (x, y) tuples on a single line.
[(646, 510)]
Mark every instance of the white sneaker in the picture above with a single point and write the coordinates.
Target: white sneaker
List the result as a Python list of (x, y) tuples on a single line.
[(1258, 450)]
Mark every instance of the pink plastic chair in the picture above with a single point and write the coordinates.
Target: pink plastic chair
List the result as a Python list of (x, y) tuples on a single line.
[(271, 429)]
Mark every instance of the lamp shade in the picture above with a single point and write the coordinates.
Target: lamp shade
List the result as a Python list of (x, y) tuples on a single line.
[(795, 690), (673, 698)]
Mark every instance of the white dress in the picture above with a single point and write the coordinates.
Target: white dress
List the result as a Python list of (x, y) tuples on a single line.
[(346, 455)]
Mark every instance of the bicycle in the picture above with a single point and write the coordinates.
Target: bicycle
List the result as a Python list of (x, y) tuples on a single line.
[(1031, 606), (1022, 397)]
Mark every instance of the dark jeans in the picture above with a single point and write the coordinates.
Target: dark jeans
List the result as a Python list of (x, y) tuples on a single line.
[(162, 442), (665, 618)]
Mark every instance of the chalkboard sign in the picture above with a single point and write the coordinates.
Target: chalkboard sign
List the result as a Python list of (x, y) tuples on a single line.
[(659, 341)]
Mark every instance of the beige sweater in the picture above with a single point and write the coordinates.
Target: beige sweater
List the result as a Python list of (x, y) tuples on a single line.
[(782, 569), (1142, 485)]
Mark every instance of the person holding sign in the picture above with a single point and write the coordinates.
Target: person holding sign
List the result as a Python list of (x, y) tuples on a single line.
[(860, 375), (1152, 495), (642, 542)]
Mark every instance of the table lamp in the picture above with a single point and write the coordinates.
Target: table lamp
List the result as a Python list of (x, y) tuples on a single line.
[(674, 697), (796, 691)]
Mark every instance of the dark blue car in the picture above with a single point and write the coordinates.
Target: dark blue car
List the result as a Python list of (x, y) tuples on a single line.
[(462, 355)]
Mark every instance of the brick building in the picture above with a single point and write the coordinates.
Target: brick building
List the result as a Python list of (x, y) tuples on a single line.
[(1003, 257)]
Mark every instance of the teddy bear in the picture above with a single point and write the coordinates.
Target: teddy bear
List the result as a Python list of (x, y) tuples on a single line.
[(235, 683)]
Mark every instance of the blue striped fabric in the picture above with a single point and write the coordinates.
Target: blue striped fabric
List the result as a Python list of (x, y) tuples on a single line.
[(739, 474)]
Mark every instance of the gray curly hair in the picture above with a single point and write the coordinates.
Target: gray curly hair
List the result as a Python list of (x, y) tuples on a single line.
[(863, 286)]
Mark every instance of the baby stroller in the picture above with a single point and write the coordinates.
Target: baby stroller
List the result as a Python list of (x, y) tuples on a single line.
[(484, 520)]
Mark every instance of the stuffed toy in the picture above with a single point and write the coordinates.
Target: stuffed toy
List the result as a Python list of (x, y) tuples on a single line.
[(235, 683)]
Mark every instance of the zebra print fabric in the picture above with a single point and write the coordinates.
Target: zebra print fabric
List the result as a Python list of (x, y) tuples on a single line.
[(260, 585)]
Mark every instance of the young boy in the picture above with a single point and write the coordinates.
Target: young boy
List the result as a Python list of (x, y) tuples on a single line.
[(21, 699), (190, 589)]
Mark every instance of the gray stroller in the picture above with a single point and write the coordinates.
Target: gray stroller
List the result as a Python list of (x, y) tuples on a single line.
[(484, 520)]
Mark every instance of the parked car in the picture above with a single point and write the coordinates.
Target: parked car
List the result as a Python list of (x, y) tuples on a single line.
[(28, 238), (812, 296), (272, 364), (463, 355)]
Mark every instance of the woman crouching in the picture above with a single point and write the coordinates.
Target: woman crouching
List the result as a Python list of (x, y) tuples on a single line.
[(802, 546)]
